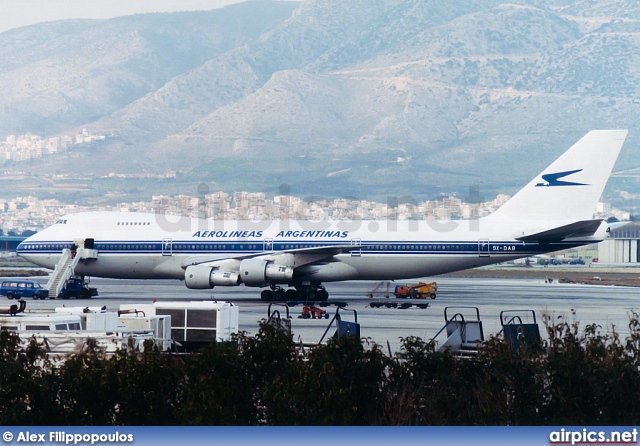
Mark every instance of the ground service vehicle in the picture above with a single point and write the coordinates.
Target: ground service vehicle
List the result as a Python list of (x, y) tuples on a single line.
[(17, 288), (418, 290), (311, 312), (76, 287)]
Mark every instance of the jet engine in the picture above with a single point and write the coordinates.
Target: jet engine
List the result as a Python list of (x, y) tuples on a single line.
[(258, 272), (203, 277)]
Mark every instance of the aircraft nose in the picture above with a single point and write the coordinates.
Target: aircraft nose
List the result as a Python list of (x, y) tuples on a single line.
[(22, 247)]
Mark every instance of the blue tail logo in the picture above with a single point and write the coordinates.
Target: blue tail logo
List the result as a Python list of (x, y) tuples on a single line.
[(553, 179)]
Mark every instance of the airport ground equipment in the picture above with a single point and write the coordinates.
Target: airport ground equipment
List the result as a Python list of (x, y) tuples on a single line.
[(418, 290), (66, 266), (72, 329), (274, 318), (312, 312), (13, 308), (520, 329), (464, 334), (399, 305), (78, 288), (341, 304), (195, 324), (379, 288), (343, 328)]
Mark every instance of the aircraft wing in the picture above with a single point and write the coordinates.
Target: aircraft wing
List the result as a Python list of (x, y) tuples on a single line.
[(298, 256), (585, 228)]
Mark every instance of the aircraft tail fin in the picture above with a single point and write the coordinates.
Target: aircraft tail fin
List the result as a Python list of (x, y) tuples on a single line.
[(570, 188)]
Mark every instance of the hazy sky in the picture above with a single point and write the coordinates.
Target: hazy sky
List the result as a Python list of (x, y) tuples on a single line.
[(16, 13)]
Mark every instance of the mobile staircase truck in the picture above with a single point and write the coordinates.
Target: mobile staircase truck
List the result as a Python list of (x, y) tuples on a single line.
[(520, 329), (82, 250), (464, 331), (343, 328), (275, 319)]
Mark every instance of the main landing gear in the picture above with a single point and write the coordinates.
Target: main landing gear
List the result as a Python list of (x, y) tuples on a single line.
[(301, 292)]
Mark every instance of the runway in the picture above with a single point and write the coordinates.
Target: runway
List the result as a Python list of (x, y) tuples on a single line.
[(606, 306)]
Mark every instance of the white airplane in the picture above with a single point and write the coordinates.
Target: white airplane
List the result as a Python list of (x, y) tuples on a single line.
[(551, 213)]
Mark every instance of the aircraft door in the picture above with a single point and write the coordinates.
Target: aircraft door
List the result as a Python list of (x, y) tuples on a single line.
[(167, 247), (356, 242), (268, 245), (483, 248)]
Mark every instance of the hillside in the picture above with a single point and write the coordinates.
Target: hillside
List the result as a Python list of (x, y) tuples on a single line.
[(58, 75)]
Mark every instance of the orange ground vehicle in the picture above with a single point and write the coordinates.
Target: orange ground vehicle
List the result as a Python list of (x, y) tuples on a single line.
[(311, 312), (418, 290)]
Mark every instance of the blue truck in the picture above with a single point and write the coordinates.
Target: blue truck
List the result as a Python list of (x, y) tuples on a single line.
[(76, 287)]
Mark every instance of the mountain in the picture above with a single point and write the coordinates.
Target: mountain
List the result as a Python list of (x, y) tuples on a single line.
[(58, 75), (367, 98)]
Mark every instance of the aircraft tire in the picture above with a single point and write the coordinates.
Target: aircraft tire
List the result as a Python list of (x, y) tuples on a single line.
[(278, 295), (266, 295)]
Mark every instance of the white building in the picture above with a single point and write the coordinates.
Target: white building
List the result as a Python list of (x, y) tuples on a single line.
[(622, 246)]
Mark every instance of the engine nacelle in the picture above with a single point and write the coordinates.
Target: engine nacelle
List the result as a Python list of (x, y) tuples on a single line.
[(224, 278), (201, 277), (252, 272), (279, 273), (258, 272)]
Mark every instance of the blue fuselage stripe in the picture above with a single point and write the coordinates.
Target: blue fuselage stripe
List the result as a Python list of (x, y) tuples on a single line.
[(254, 247)]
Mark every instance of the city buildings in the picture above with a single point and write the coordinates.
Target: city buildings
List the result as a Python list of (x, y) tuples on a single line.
[(30, 213)]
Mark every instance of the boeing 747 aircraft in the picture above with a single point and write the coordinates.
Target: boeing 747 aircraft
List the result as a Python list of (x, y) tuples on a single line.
[(551, 213)]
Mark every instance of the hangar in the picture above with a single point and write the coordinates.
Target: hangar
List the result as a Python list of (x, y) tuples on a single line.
[(622, 246)]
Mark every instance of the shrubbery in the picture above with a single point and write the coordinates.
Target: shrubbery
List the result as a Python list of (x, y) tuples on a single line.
[(579, 378)]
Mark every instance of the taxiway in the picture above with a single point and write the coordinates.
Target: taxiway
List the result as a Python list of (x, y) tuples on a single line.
[(607, 306)]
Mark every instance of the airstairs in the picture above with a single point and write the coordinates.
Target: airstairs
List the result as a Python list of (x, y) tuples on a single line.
[(464, 335), (63, 271)]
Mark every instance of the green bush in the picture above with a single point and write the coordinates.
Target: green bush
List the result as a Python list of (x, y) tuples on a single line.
[(578, 378)]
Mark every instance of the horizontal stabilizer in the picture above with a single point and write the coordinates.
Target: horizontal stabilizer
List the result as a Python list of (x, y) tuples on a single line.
[(586, 228)]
